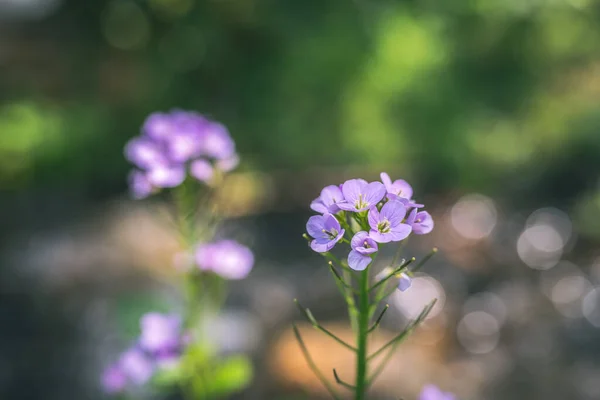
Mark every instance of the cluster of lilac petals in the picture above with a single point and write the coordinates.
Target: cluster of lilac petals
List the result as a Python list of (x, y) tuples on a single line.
[(226, 258), (363, 247), (159, 345), (326, 232), (391, 213), (432, 392), (171, 144)]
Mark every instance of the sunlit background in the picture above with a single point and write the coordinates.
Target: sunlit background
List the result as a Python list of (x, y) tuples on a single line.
[(490, 108)]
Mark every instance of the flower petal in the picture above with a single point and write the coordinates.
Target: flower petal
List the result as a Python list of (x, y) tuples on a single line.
[(357, 261), (374, 192), (374, 218), (404, 283), (393, 211), (331, 195), (314, 226), (380, 237), (331, 223), (385, 178), (352, 189), (321, 247), (425, 224), (400, 232), (359, 239), (402, 188), (318, 206), (344, 205)]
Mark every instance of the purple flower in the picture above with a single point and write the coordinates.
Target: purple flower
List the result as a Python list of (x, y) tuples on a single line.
[(166, 176), (325, 230), (202, 170), (144, 153), (139, 185), (158, 126), (360, 195), (160, 333), (217, 143), (226, 258), (421, 222), (386, 225), (114, 379), (362, 248), (136, 366), (327, 201), (432, 392), (229, 163), (405, 282), (173, 142), (398, 188)]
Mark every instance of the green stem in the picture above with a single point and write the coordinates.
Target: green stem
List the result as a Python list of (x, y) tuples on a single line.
[(362, 332)]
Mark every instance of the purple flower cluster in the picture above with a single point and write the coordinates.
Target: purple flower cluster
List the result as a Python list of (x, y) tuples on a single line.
[(226, 258), (159, 345), (173, 144), (384, 211), (432, 392)]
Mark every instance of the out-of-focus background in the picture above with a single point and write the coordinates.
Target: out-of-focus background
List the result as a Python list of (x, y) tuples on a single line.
[(490, 108)]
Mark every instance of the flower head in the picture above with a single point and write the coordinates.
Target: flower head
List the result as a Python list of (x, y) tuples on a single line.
[(139, 185), (170, 142), (432, 392), (160, 333), (405, 282), (327, 201), (325, 230), (226, 258), (136, 365), (359, 195), (386, 225), (362, 248), (421, 222), (399, 190), (114, 379)]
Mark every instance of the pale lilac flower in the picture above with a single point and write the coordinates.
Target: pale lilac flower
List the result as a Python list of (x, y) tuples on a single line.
[(184, 145), (325, 230), (386, 225), (158, 126), (166, 176), (202, 170), (327, 201), (114, 379), (421, 222), (144, 153), (398, 188), (405, 282), (136, 365), (362, 248), (360, 195), (173, 142), (229, 163), (432, 392), (216, 142), (160, 333), (139, 185), (226, 258)]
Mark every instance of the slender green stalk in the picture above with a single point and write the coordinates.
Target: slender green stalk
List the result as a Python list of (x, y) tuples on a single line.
[(313, 366), (362, 333)]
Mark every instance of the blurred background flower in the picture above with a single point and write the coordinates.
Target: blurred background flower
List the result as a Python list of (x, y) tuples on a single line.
[(490, 108)]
